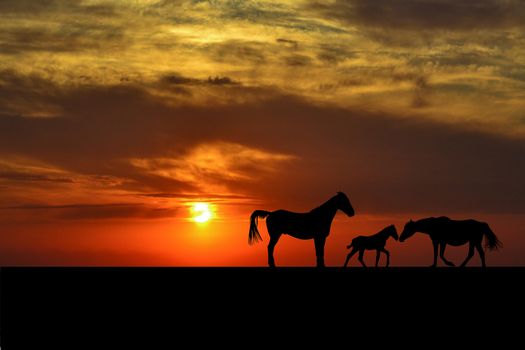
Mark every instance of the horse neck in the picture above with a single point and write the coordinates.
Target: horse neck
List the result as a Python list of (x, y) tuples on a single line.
[(328, 208), (422, 226), (385, 234)]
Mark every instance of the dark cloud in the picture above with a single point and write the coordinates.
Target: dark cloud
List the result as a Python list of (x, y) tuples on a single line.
[(384, 162), (427, 14), (21, 176), (176, 79), (195, 196), (333, 53), (69, 37), (421, 92), (98, 211), (236, 51), (179, 80), (76, 256), (217, 80), (297, 60), (60, 26), (38, 8), (27, 94), (289, 43), (274, 15)]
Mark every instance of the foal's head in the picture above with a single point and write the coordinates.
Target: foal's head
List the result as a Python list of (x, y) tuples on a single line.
[(392, 232)]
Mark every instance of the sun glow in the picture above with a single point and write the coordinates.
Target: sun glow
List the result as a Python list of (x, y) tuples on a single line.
[(201, 212)]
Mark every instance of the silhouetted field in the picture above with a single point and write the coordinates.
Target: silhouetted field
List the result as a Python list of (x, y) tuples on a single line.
[(90, 303)]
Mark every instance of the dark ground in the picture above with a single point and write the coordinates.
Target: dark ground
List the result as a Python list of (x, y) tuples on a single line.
[(223, 304)]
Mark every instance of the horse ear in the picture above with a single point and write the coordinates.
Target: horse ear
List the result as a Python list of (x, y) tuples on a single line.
[(411, 221)]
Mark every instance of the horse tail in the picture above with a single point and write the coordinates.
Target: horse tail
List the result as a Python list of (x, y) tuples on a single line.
[(491, 241), (254, 236), (350, 245)]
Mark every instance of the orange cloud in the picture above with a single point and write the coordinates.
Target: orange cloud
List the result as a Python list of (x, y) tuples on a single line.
[(209, 166)]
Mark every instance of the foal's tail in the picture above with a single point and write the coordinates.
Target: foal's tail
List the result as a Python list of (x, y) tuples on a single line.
[(491, 241), (254, 236)]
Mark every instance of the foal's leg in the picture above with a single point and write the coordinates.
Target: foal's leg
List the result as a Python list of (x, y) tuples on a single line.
[(273, 241), (470, 254), (481, 252), (378, 252), (435, 244), (319, 250), (349, 256), (361, 252), (442, 255), (387, 253)]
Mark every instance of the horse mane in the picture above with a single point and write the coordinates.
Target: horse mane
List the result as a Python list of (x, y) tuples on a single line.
[(433, 219), (329, 201), (386, 229)]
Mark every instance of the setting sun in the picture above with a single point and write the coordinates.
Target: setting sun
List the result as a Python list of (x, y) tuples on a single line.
[(201, 212)]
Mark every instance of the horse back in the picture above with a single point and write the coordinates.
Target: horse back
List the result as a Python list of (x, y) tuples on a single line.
[(299, 225), (368, 242), (457, 232), (469, 224)]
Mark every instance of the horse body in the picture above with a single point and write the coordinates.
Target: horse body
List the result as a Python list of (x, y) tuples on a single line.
[(443, 231), (298, 225), (314, 224), (454, 232), (375, 242)]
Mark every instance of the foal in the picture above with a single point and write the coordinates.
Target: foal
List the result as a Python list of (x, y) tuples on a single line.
[(375, 242)]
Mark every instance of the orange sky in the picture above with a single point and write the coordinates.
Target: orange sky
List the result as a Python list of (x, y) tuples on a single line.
[(115, 116)]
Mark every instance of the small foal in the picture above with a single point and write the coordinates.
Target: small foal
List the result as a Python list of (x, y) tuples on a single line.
[(375, 242)]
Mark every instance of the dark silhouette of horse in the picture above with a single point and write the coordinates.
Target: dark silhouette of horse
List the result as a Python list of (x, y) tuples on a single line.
[(314, 224), (443, 231), (375, 242)]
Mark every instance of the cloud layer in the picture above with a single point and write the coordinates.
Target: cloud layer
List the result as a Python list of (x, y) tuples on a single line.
[(115, 116)]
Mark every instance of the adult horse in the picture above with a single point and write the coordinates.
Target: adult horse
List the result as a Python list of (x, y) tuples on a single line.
[(443, 231), (314, 224)]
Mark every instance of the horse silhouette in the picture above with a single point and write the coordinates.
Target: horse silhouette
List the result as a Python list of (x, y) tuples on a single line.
[(314, 224), (443, 231), (375, 242)]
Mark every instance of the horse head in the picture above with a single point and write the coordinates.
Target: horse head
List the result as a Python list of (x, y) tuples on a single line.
[(393, 232), (408, 231), (343, 204)]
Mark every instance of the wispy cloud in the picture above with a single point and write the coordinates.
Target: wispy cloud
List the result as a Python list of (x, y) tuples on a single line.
[(158, 102), (212, 166), (98, 211)]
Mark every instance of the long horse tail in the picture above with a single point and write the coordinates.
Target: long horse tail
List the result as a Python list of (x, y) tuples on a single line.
[(350, 245), (254, 236), (491, 241)]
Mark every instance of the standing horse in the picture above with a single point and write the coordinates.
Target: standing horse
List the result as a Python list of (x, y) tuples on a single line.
[(314, 224), (443, 231), (375, 242)]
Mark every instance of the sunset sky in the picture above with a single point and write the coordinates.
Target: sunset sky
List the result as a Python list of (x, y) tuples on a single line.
[(116, 117)]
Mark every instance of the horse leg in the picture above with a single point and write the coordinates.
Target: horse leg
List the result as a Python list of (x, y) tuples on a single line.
[(435, 244), (361, 252), (377, 256), (481, 252), (273, 241), (442, 255), (387, 253), (349, 256), (470, 254), (319, 250)]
